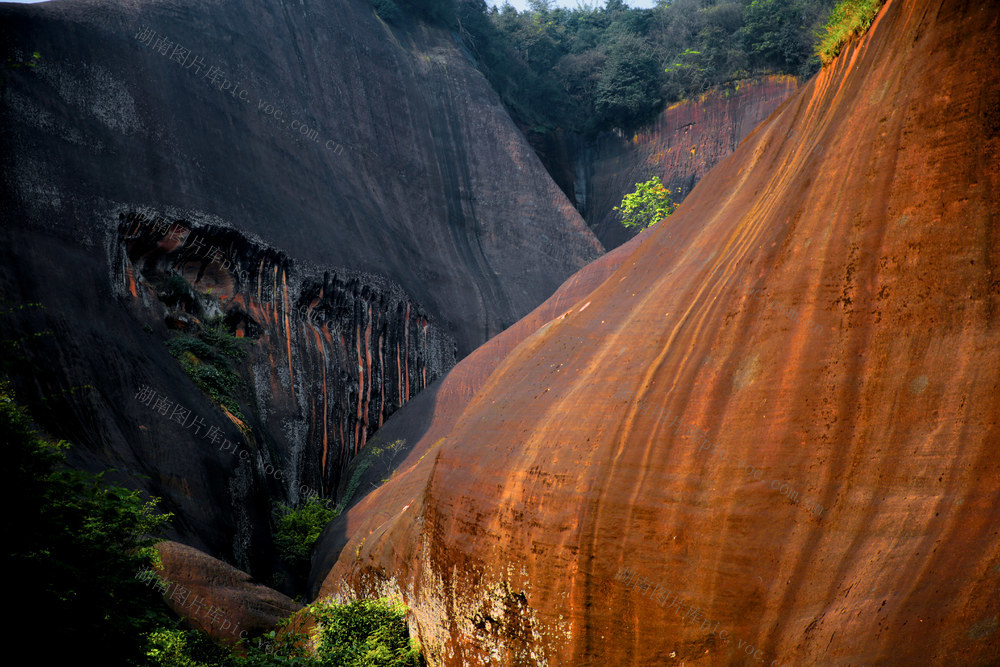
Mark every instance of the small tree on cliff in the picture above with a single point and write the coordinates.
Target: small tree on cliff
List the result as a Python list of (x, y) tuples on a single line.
[(645, 207)]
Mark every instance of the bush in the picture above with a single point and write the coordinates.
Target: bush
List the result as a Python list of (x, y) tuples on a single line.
[(628, 90), (179, 346), (848, 18), (298, 528), (205, 359), (362, 633), (173, 647), (365, 633), (75, 544), (224, 342)]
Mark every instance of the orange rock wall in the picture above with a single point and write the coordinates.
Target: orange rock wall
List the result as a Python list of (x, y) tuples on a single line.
[(784, 455), (685, 141)]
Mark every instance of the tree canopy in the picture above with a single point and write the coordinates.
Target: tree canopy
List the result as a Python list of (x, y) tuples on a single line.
[(649, 203), (75, 545), (598, 68)]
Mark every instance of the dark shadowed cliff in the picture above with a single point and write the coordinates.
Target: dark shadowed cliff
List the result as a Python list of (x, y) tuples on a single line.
[(350, 199), (784, 455)]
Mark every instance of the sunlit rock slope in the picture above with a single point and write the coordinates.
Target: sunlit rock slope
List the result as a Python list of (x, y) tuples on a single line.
[(784, 455)]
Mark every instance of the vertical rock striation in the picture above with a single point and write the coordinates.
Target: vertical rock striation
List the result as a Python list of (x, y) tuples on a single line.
[(685, 141), (380, 213), (784, 455), (334, 352)]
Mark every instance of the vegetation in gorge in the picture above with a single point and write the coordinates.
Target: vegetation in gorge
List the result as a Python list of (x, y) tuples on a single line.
[(597, 68), (360, 633), (298, 528), (12, 63), (649, 203), (75, 544), (206, 356), (365, 633), (374, 452), (848, 18)]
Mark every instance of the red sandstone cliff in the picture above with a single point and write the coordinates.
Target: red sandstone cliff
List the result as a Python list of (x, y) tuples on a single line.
[(785, 455), (682, 145)]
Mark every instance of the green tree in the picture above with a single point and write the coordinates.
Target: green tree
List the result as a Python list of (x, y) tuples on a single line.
[(75, 544), (604, 65), (647, 205), (779, 34), (298, 528), (628, 91)]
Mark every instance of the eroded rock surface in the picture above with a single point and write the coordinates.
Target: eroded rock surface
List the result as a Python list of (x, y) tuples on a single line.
[(216, 597), (364, 177), (685, 141), (783, 455)]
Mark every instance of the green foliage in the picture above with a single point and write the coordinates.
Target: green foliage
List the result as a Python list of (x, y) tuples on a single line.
[(628, 90), (591, 69), (174, 647), (177, 289), (772, 33), (220, 383), (365, 633), (647, 205), (362, 633), (75, 544), (298, 528), (205, 359), (224, 342), (184, 344), (781, 33), (30, 63), (848, 18)]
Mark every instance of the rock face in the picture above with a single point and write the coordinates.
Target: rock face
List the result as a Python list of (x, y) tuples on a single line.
[(685, 141), (424, 422), (216, 597), (345, 348), (784, 455), (367, 214)]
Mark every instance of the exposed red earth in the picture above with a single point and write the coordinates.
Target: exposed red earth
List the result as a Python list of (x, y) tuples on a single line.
[(796, 441)]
